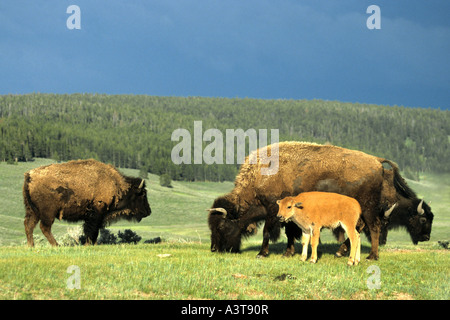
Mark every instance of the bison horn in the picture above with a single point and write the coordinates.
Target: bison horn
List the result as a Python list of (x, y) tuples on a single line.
[(142, 184), (219, 210), (389, 211), (420, 209)]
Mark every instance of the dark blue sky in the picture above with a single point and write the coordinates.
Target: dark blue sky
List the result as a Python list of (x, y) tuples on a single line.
[(227, 48)]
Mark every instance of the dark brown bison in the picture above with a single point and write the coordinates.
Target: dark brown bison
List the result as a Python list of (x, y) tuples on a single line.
[(409, 211), (302, 167), (83, 190)]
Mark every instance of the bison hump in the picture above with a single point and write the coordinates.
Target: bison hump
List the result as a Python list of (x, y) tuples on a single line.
[(83, 179)]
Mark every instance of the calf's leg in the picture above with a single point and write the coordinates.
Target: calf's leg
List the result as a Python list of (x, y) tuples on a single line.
[(315, 236), (354, 243), (305, 243)]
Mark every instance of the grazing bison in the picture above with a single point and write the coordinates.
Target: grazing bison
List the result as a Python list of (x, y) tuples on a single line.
[(311, 211), (410, 211), (304, 167), (84, 190)]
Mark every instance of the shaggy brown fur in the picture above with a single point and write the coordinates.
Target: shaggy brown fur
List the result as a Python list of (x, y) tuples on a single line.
[(302, 167), (85, 190)]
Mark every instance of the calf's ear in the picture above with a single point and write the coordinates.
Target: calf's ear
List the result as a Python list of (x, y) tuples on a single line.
[(278, 201), (299, 205)]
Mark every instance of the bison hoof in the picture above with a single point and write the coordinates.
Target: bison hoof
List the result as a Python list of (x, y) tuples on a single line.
[(372, 256), (261, 255)]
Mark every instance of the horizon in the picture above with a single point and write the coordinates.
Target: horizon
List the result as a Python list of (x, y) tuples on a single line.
[(258, 49)]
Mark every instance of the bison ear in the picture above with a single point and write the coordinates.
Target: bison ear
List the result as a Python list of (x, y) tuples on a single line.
[(299, 205), (278, 201)]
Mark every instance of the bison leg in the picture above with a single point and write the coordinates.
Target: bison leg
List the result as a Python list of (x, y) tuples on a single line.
[(91, 228), (46, 230), (305, 243), (92, 237), (292, 232), (354, 243), (271, 231), (290, 249), (30, 223), (265, 245), (343, 249), (315, 237), (374, 235)]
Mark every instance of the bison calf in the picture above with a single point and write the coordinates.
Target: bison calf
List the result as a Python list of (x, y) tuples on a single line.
[(313, 210)]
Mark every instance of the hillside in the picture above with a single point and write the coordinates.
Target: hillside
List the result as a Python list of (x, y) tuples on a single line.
[(135, 131)]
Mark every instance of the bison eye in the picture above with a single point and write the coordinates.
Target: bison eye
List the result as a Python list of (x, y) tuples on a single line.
[(289, 207), (423, 220)]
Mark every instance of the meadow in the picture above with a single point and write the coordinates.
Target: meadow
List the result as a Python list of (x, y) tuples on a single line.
[(182, 266)]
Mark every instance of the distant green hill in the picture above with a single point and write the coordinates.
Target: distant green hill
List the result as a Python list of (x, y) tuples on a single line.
[(135, 131)]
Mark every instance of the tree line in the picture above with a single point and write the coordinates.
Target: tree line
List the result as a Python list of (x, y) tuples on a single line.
[(134, 131)]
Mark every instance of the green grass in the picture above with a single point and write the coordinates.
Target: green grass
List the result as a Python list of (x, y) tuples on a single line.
[(193, 272)]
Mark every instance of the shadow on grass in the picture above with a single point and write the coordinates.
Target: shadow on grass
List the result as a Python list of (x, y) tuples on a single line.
[(279, 248)]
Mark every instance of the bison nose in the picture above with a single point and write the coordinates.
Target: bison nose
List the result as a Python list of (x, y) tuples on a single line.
[(281, 218)]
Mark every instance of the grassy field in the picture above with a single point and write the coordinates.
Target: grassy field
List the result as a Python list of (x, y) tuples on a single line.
[(182, 267), (188, 271)]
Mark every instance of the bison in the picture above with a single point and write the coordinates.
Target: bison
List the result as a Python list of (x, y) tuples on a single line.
[(410, 211), (83, 190), (311, 211), (307, 167)]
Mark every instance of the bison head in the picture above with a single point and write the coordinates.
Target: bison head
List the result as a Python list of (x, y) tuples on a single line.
[(224, 226), (420, 219), (140, 201), (229, 222), (135, 203), (416, 215)]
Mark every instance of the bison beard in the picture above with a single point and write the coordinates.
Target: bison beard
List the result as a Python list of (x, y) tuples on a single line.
[(308, 167), (84, 190)]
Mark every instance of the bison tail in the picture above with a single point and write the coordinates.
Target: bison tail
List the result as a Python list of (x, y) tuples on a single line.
[(29, 206), (399, 183)]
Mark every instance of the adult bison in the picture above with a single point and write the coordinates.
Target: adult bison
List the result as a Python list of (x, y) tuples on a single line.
[(410, 211), (302, 167), (83, 190)]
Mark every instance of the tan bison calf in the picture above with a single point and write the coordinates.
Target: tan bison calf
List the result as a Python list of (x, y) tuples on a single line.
[(313, 210)]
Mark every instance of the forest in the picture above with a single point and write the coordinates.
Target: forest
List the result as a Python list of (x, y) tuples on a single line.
[(134, 131)]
